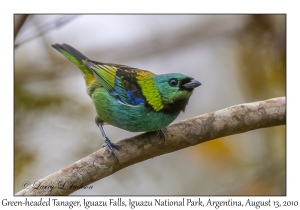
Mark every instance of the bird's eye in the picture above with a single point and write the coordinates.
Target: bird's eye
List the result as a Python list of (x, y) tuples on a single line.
[(173, 82)]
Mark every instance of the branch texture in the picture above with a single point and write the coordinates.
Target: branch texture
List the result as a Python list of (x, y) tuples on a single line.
[(232, 120)]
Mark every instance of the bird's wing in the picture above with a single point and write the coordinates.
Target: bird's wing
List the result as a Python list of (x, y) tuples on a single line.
[(119, 80)]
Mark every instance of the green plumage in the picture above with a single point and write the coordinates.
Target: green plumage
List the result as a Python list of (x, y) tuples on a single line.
[(130, 98)]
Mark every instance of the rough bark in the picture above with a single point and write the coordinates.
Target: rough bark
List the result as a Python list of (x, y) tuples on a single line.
[(232, 120)]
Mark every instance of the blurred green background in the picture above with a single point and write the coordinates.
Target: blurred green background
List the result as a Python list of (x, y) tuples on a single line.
[(237, 58)]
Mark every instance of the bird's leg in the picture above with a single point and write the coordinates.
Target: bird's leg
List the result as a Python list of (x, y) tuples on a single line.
[(107, 143), (162, 134)]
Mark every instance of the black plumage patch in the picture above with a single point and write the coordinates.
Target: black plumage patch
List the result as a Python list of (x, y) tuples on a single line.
[(175, 107), (183, 82), (129, 81)]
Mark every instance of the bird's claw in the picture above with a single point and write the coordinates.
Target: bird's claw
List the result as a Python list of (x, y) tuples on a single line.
[(162, 134), (110, 147)]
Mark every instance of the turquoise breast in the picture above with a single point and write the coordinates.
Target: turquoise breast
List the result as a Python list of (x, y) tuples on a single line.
[(134, 118)]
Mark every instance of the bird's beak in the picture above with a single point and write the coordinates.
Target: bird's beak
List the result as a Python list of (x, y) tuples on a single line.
[(192, 84)]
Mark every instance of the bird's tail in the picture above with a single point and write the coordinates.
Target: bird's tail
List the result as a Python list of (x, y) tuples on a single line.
[(78, 59), (71, 53)]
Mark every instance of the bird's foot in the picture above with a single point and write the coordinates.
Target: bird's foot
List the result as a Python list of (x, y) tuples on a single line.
[(161, 134), (110, 147)]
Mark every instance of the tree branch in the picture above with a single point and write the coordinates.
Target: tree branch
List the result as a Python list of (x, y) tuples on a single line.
[(19, 21), (45, 28), (232, 120)]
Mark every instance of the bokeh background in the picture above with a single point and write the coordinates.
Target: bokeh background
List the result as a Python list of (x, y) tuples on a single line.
[(237, 58)]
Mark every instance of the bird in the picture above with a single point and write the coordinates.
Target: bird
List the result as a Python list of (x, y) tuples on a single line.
[(130, 98)]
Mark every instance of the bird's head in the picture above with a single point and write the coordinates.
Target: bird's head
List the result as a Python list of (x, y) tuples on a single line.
[(175, 90)]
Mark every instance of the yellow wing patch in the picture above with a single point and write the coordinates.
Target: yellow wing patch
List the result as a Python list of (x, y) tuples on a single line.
[(105, 75)]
